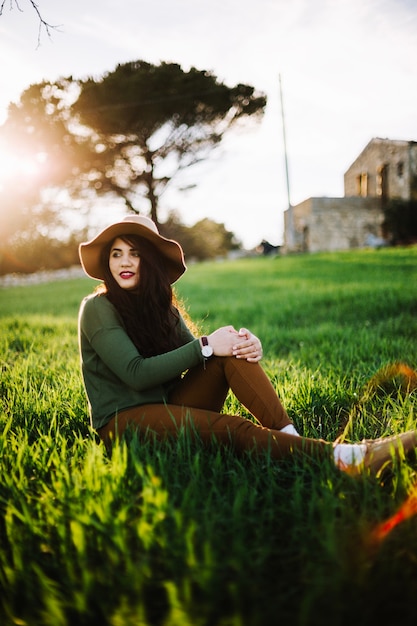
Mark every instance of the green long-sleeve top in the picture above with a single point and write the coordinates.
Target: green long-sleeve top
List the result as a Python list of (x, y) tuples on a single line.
[(116, 376)]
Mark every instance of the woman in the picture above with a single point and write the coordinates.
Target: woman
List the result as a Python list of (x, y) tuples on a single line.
[(144, 369)]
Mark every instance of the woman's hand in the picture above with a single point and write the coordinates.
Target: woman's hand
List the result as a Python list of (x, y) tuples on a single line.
[(249, 348), (223, 340), (242, 344)]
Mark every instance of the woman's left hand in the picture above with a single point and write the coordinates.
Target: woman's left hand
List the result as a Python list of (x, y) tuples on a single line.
[(248, 346)]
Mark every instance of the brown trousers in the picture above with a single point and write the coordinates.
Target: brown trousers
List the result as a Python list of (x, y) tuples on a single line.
[(196, 402)]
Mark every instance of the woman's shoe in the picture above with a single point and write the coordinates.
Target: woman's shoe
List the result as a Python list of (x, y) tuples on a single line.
[(382, 452)]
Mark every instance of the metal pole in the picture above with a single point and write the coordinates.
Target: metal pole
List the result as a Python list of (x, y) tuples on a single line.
[(285, 143), (290, 226)]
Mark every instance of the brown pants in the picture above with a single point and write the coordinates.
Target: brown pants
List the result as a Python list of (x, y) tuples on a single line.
[(197, 400)]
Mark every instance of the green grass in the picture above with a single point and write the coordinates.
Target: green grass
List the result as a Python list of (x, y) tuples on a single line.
[(179, 535)]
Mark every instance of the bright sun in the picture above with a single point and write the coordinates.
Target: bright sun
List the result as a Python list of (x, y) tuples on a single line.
[(13, 167)]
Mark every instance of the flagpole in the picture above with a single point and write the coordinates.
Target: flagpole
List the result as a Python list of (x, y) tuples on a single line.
[(290, 227)]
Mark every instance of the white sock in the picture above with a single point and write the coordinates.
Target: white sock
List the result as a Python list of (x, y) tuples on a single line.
[(290, 430), (349, 453)]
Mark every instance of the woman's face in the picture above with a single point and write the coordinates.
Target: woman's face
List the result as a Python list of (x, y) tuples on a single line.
[(124, 264)]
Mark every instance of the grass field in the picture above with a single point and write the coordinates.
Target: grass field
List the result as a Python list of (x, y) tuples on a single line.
[(179, 535)]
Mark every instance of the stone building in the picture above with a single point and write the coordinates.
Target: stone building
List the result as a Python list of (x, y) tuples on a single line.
[(330, 224), (385, 169)]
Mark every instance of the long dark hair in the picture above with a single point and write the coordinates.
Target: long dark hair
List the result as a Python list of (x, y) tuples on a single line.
[(149, 311)]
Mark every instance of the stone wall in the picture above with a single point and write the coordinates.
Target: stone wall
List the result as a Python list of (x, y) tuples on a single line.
[(330, 224)]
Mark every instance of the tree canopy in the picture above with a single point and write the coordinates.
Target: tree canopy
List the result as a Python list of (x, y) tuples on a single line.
[(124, 136), (127, 134), (148, 122)]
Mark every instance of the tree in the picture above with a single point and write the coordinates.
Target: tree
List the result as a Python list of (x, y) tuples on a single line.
[(148, 122), (400, 221), (127, 134), (125, 137), (204, 240)]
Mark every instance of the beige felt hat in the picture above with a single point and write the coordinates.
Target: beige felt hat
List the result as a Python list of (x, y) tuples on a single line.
[(90, 251)]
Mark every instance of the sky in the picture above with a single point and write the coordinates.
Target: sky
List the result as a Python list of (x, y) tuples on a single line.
[(345, 69)]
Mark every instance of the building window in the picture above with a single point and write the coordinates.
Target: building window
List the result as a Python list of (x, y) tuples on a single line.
[(400, 169), (362, 185), (382, 181)]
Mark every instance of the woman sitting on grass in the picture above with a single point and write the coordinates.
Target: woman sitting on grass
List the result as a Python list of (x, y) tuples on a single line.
[(144, 369)]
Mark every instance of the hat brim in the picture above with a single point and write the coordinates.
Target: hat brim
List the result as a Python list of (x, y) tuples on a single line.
[(90, 251)]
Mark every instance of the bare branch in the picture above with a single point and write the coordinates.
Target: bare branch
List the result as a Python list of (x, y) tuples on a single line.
[(43, 24)]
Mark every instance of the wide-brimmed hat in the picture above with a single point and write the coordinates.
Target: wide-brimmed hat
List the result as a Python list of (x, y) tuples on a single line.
[(91, 251)]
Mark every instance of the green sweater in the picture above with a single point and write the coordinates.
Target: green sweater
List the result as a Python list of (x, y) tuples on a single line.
[(116, 376)]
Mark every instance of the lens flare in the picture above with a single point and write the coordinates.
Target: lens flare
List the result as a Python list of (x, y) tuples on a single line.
[(14, 167), (406, 510)]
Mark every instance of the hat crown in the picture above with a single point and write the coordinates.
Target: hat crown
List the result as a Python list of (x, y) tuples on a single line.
[(142, 220)]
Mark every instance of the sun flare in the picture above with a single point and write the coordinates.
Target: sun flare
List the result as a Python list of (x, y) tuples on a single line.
[(13, 167)]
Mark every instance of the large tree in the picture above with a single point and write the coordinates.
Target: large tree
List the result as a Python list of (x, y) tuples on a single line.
[(148, 122), (126, 135)]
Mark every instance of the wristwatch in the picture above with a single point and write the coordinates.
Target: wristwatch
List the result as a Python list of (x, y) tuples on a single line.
[(206, 350)]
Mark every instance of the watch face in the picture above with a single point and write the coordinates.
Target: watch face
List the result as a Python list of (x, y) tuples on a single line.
[(207, 351)]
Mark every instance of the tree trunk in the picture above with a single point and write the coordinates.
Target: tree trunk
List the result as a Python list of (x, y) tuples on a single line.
[(152, 197)]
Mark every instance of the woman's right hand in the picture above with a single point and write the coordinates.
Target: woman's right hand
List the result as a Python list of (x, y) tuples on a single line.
[(223, 340)]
